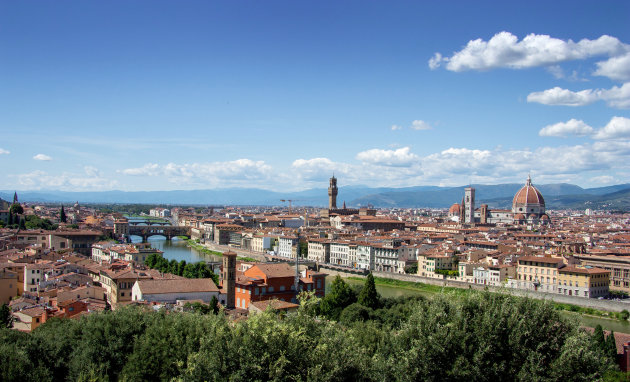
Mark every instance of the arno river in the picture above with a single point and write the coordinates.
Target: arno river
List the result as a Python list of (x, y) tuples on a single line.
[(178, 250)]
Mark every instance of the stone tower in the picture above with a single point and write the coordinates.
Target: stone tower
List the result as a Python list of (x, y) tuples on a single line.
[(228, 277), (332, 194), (469, 205)]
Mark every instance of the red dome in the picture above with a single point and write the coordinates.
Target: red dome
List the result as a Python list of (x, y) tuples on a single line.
[(455, 209), (519, 217), (545, 217), (528, 194)]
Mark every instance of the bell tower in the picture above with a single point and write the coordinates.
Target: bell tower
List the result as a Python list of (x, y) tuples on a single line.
[(228, 278), (332, 193)]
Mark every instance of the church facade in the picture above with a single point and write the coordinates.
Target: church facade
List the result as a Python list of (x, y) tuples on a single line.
[(528, 207)]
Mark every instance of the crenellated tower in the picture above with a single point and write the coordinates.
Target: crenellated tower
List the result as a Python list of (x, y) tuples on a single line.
[(332, 193)]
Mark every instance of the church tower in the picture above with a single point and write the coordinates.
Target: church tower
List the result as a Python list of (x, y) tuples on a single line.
[(332, 194), (469, 205), (228, 278)]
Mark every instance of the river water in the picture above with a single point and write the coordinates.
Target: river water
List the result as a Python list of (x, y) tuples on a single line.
[(176, 249)]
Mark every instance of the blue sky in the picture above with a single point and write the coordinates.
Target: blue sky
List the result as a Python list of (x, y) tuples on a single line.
[(163, 95)]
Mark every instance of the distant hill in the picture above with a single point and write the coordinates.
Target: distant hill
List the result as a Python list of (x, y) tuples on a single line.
[(560, 195)]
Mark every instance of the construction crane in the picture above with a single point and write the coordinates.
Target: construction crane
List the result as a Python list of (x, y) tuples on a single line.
[(290, 201)]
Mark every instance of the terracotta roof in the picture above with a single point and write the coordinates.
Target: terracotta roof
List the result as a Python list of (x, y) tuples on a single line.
[(540, 259), (274, 270), (275, 304), (586, 271), (162, 286), (528, 194)]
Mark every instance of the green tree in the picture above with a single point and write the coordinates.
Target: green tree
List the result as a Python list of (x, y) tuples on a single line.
[(368, 296), (339, 297), (611, 346), (16, 209), (10, 221), (6, 318), (214, 305), (22, 223), (599, 338), (62, 215)]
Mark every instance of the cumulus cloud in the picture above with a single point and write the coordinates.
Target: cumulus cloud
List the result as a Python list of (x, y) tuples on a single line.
[(563, 129), (43, 157), (3, 151), (397, 158), (564, 97), (396, 127), (616, 68), (420, 125), (617, 96), (618, 127), (504, 50)]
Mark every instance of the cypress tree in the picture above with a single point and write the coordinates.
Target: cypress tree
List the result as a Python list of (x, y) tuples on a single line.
[(62, 215), (10, 221), (611, 346), (22, 223), (368, 296), (599, 340)]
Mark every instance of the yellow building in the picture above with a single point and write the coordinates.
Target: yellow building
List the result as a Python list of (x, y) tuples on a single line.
[(538, 273), (8, 286), (583, 281)]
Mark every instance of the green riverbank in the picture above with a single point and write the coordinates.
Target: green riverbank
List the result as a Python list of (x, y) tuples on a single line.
[(198, 247)]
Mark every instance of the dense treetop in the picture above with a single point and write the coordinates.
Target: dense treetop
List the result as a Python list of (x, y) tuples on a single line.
[(477, 337)]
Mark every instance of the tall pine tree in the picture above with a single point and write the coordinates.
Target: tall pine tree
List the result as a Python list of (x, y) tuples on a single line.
[(368, 296)]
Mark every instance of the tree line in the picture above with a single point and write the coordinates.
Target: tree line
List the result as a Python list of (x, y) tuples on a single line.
[(476, 337), (198, 270)]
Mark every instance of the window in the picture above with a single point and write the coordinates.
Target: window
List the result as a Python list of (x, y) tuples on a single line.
[(122, 294), (270, 289)]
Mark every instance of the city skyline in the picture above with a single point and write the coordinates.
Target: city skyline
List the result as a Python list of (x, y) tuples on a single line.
[(160, 96)]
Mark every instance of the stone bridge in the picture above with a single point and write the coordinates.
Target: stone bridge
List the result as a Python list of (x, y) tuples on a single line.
[(169, 231)]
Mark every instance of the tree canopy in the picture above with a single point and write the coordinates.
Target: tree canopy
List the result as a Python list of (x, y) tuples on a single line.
[(476, 337)]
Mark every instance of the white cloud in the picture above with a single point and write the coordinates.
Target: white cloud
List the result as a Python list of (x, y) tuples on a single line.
[(504, 50), (3, 151), (563, 97), (92, 171), (240, 172), (396, 127), (616, 68), (38, 180), (435, 61), (617, 96), (556, 71), (397, 158), (562, 129), (149, 169), (603, 179), (420, 125), (618, 127), (43, 157)]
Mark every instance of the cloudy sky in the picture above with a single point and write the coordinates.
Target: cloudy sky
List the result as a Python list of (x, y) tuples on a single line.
[(164, 95)]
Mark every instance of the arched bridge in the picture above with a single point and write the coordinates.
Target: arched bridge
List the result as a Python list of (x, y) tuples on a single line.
[(145, 231)]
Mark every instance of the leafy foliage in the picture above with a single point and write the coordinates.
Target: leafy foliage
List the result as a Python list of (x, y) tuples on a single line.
[(368, 296), (479, 336)]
